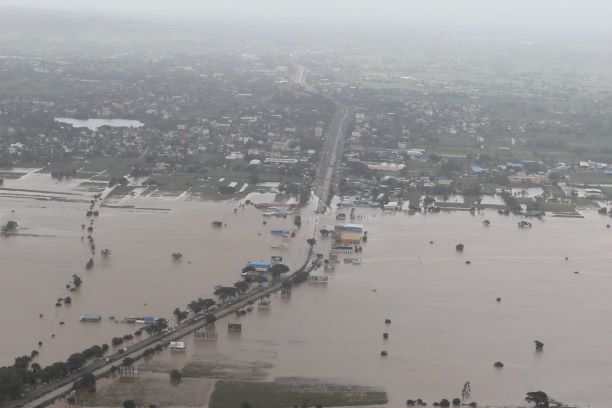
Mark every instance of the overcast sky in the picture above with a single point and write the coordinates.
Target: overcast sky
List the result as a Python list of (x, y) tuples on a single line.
[(542, 14)]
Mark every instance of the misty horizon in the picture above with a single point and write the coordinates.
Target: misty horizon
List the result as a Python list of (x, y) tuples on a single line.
[(541, 17)]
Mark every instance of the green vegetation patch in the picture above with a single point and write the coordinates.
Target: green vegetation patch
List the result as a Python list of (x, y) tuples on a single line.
[(226, 370), (592, 178), (110, 166), (122, 191), (10, 175), (291, 391), (91, 187), (151, 388)]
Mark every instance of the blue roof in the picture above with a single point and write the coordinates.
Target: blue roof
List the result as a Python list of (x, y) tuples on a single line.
[(476, 169), (258, 264)]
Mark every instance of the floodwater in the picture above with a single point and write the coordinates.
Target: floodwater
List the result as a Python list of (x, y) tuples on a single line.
[(447, 327), (139, 278), (95, 124)]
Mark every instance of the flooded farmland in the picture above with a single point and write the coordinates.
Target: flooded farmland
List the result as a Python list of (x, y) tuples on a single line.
[(139, 278), (446, 325)]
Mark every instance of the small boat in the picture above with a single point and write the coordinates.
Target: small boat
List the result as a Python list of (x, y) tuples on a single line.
[(280, 246), (177, 346), (90, 318), (317, 279)]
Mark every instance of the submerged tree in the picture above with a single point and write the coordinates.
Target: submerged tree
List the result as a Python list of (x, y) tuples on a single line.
[(466, 393), (128, 404), (175, 375), (9, 228), (538, 398)]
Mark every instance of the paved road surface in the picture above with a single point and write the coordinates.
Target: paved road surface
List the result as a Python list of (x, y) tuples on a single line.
[(331, 155)]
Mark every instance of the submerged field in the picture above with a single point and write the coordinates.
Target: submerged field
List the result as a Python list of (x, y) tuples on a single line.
[(288, 392)]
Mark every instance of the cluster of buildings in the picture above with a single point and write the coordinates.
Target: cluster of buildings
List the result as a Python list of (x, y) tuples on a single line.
[(198, 113)]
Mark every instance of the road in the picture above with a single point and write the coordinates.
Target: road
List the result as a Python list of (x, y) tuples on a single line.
[(331, 155), (45, 395)]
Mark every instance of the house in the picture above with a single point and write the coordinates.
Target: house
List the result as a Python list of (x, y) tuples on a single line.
[(350, 228), (350, 239), (260, 266)]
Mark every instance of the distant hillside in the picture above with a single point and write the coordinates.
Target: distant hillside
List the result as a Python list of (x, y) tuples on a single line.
[(25, 30)]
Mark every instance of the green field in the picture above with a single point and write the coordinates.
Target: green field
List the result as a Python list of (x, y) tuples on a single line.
[(110, 166), (289, 392)]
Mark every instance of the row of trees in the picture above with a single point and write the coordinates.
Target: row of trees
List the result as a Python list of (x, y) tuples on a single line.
[(23, 373)]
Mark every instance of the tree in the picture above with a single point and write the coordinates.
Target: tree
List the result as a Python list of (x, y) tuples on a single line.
[(297, 221), (175, 375), (88, 382), (9, 228), (466, 393), (311, 241), (538, 398), (76, 281), (128, 404), (76, 361), (224, 292), (11, 383), (180, 314), (241, 286), (278, 269)]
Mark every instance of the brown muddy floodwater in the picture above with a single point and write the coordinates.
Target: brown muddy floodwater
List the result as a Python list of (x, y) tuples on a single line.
[(139, 278), (447, 327)]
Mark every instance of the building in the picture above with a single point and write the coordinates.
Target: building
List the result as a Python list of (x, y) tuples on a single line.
[(593, 193), (177, 346), (260, 266), (351, 228), (350, 239)]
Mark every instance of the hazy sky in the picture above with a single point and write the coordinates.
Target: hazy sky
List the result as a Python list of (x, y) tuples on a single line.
[(542, 14)]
